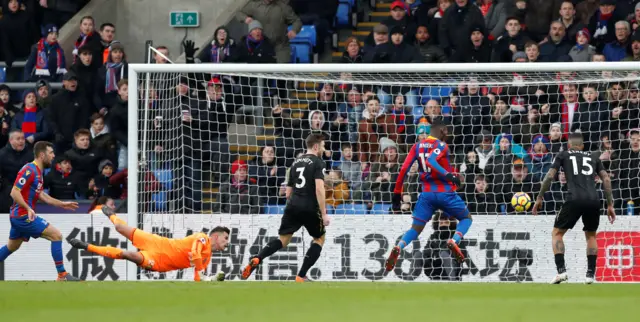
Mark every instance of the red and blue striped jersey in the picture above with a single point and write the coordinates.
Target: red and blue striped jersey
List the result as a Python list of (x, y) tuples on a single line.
[(433, 157), (30, 182)]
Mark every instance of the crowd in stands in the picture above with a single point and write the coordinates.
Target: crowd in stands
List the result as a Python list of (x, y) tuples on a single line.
[(503, 137)]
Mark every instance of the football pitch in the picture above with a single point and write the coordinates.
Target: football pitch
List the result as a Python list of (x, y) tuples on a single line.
[(326, 302)]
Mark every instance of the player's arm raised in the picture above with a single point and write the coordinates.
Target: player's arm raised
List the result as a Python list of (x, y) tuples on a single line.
[(69, 205), (608, 190)]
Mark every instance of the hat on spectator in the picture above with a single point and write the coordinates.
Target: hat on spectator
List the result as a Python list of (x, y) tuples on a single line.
[(254, 24), (518, 163), (484, 134), (116, 45), (584, 32), (477, 28), (520, 55), (61, 158), (396, 30), (237, 165), (41, 83), (27, 92), (397, 4), (84, 49), (556, 124), (543, 139), (214, 81), (49, 29), (386, 143), (507, 136), (607, 2), (633, 86), (381, 29), (636, 35), (70, 76), (104, 163)]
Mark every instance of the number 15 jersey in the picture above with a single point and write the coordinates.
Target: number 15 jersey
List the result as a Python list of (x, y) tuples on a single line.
[(302, 178), (580, 169)]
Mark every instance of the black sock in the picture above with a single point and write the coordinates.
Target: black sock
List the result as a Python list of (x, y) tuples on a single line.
[(591, 265), (310, 258), (560, 263), (272, 247)]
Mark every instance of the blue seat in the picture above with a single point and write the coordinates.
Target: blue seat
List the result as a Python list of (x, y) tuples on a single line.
[(273, 209), (343, 15), (307, 35), (351, 209), (434, 92), (3, 74), (381, 209), (351, 3), (302, 53)]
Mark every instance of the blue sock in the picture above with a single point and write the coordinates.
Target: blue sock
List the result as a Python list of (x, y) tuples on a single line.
[(4, 253), (462, 229), (56, 253), (408, 237)]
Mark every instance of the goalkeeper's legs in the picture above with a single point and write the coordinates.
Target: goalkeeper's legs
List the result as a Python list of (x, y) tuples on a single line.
[(108, 251), (120, 225)]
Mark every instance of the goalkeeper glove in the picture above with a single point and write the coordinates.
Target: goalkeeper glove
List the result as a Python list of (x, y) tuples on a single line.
[(395, 201), (453, 179)]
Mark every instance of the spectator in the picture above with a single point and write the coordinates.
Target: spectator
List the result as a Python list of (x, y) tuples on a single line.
[(538, 14), (68, 113), (618, 112), (336, 189), (212, 118), (325, 102), (519, 180), (630, 170), (539, 157), (91, 40), (61, 181), (439, 264), (617, 49), (268, 173), (84, 158), (256, 48), (556, 139), (161, 54), (533, 51), (509, 43), (239, 195), (222, 48), (482, 201), (101, 139), (399, 19), (31, 120), (5, 119), (351, 169), (495, 15), (564, 111), (582, 51), (472, 113), (46, 60), (590, 115), (17, 33), (520, 57), (568, 18), (384, 172), (435, 16), (502, 118), (380, 36), (101, 184), (398, 124), (277, 15), (459, 21), (368, 137), (602, 24), (5, 97), (396, 51), (320, 14), (13, 157), (483, 152), (353, 54), (477, 49), (107, 34), (351, 110), (419, 10), (506, 152), (115, 69), (556, 45), (432, 110), (43, 93), (528, 127), (88, 79), (118, 121), (427, 46), (635, 48), (635, 20), (585, 10)]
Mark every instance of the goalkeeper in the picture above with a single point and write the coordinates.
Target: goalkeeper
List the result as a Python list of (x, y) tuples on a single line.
[(161, 254)]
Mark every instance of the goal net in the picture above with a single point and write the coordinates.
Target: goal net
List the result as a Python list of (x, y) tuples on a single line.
[(215, 141)]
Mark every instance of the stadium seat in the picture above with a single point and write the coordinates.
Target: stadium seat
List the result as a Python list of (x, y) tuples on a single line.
[(303, 44), (342, 19), (380, 209), (3, 75), (351, 209), (274, 209), (434, 92)]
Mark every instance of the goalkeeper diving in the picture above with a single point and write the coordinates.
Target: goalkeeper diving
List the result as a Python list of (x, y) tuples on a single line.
[(439, 187), (161, 254)]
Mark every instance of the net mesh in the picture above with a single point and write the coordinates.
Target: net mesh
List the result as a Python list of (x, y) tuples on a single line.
[(221, 144)]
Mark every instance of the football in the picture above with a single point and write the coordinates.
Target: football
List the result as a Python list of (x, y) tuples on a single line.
[(521, 201)]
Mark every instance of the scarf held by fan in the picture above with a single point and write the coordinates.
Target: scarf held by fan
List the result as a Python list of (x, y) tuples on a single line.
[(44, 49)]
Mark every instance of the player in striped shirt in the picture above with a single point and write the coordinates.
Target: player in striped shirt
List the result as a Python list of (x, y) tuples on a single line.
[(439, 185), (25, 224)]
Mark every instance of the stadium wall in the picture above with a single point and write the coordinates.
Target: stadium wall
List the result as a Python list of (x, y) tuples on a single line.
[(501, 249), (137, 21)]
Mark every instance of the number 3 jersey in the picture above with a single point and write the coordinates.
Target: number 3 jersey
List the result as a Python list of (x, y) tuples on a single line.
[(433, 165), (30, 182), (580, 169), (302, 178)]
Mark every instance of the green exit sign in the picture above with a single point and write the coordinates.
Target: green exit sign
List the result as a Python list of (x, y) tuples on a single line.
[(184, 19)]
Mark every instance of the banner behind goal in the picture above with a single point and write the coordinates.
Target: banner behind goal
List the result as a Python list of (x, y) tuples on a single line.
[(218, 139)]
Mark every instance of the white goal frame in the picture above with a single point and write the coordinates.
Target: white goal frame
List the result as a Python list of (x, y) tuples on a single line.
[(136, 69)]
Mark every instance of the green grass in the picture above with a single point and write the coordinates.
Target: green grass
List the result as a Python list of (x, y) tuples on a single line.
[(326, 302)]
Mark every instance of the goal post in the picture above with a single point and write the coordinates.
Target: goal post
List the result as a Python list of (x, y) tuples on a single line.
[(503, 245)]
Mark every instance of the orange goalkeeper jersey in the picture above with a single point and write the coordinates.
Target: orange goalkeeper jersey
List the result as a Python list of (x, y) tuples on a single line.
[(171, 254)]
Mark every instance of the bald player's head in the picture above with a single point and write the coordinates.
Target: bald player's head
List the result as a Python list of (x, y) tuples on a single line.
[(576, 141)]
